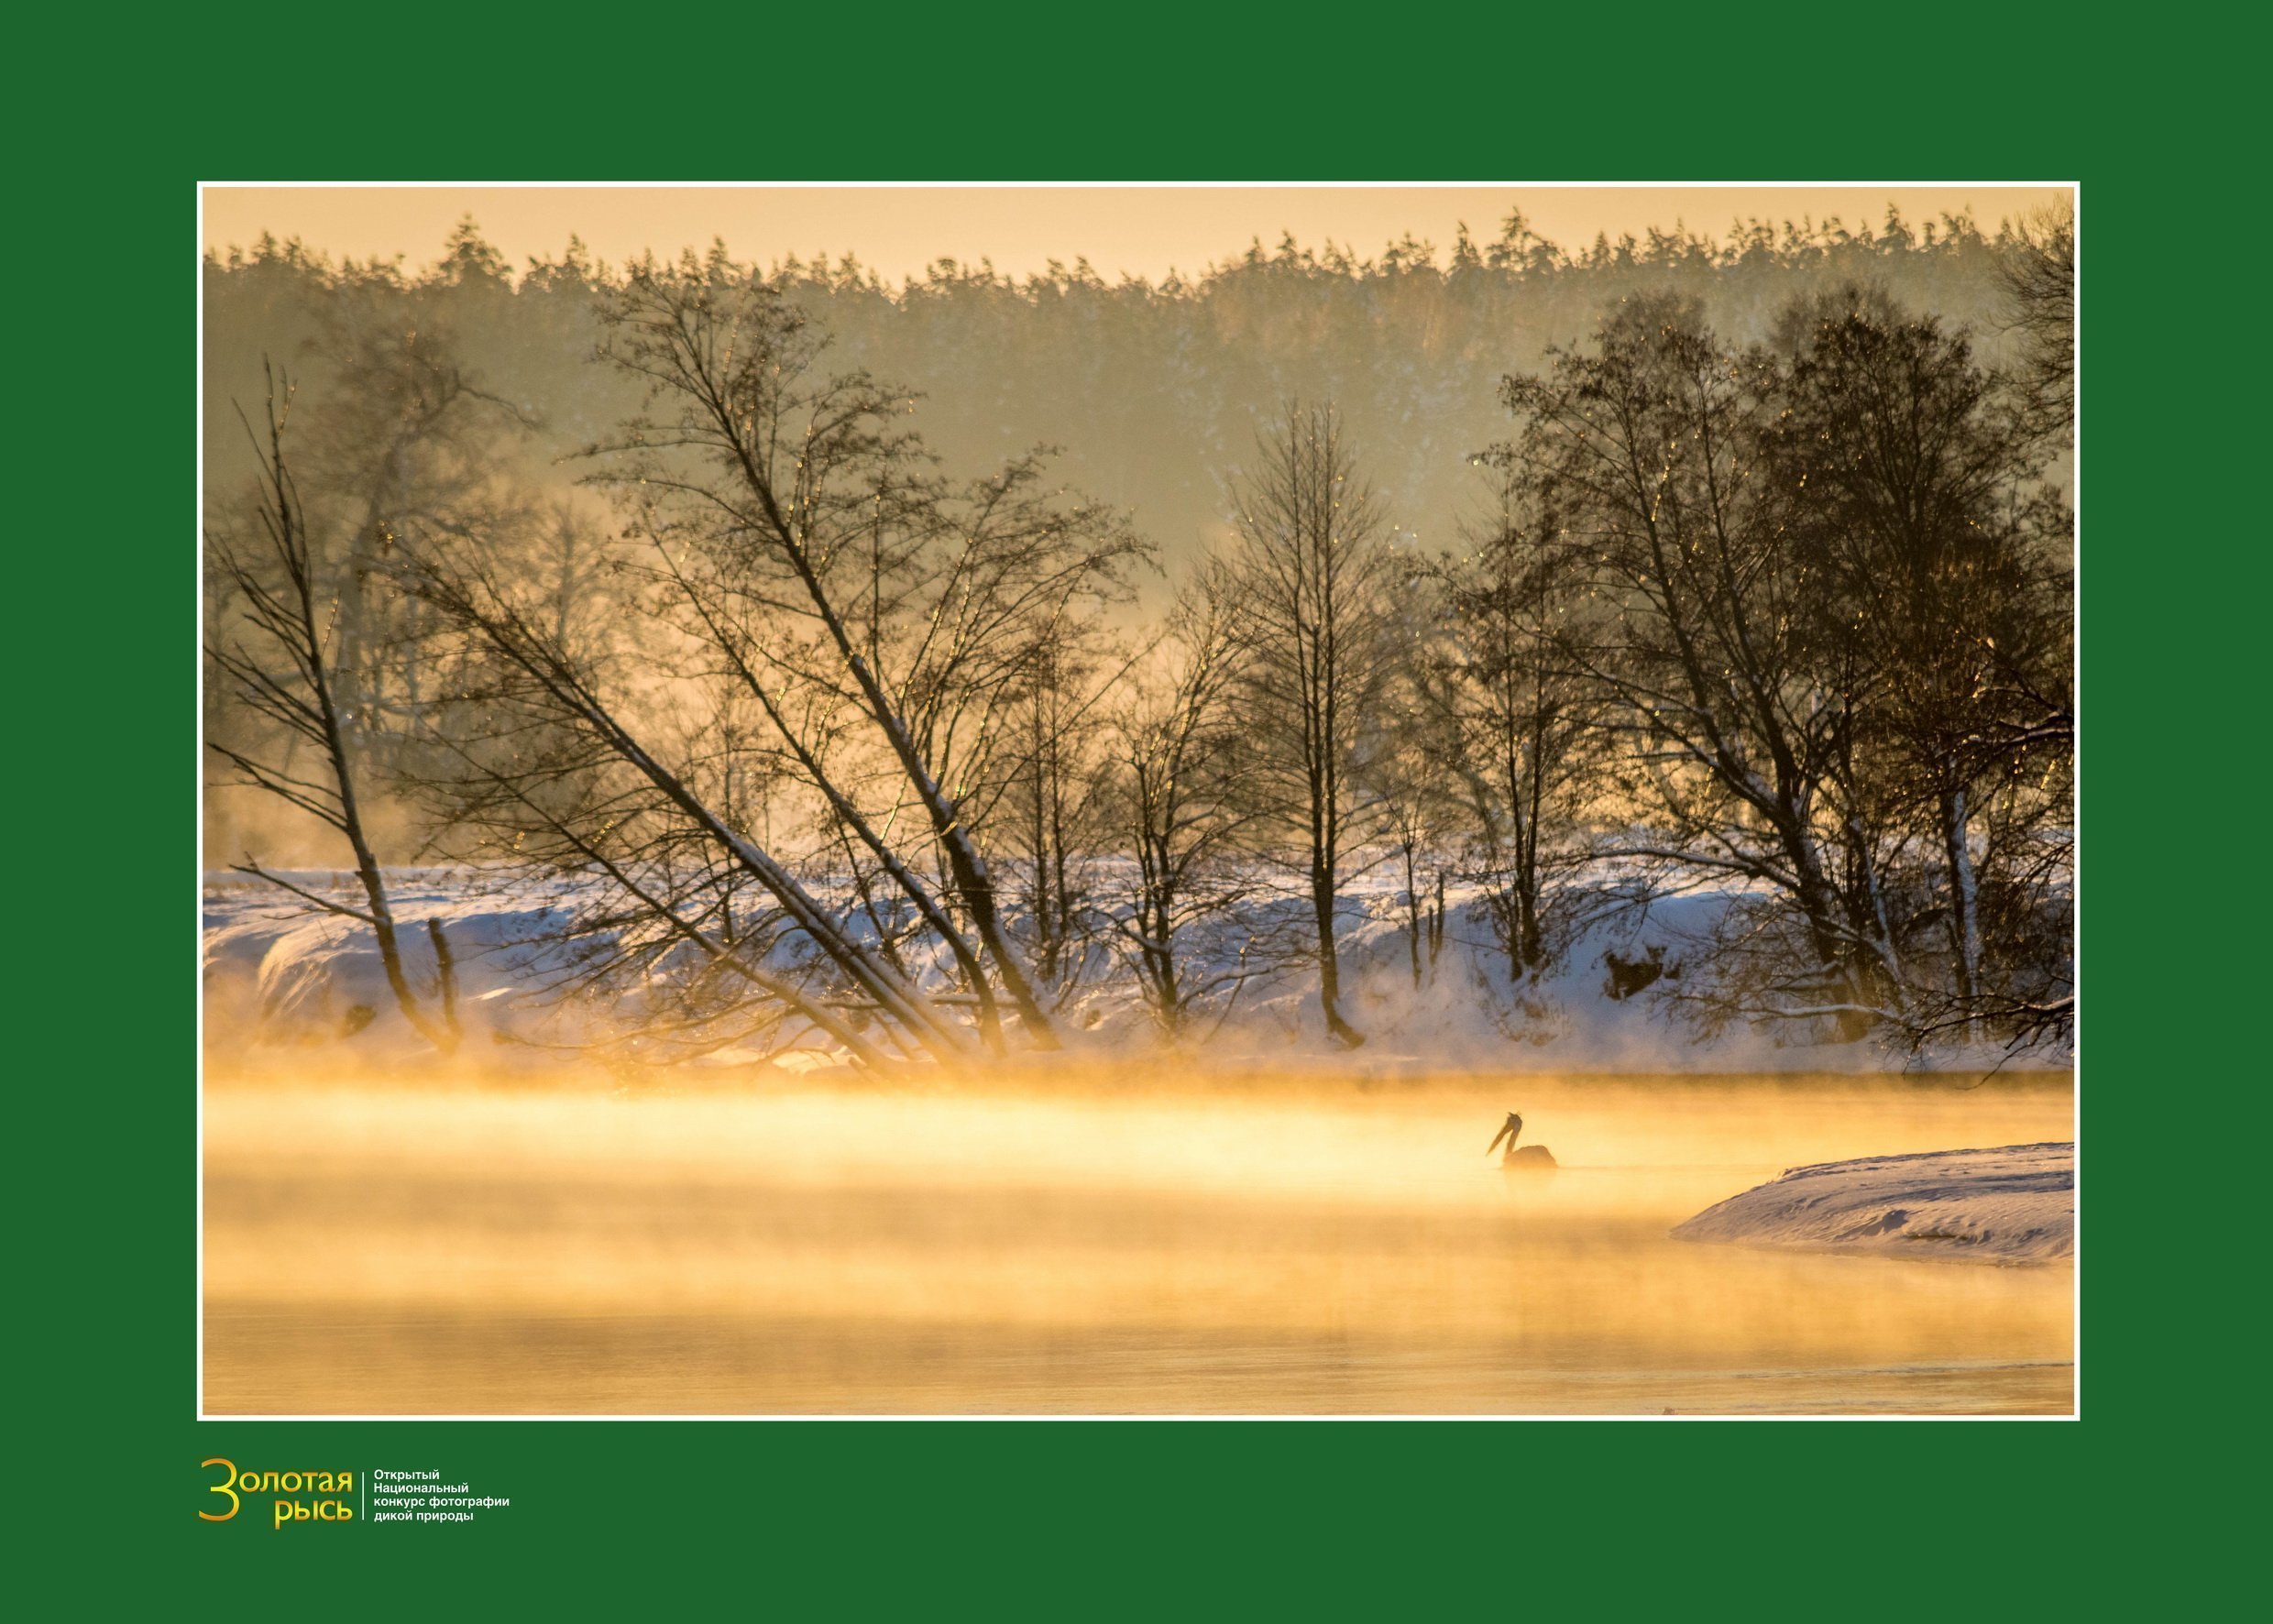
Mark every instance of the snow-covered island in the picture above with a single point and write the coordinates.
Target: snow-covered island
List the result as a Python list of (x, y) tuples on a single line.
[(2013, 1204)]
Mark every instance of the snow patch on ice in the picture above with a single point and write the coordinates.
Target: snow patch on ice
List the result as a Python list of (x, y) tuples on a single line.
[(2013, 1204)]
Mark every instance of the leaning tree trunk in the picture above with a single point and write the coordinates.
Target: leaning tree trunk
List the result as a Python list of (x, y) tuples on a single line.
[(973, 882)]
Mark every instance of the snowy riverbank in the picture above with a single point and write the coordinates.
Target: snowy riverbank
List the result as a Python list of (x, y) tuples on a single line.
[(2013, 1204), (1619, 998)]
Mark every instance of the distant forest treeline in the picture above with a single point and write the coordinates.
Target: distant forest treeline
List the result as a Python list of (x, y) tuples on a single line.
[(1150, 390)]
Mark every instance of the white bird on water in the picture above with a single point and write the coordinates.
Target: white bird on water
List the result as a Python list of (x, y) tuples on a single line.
[(1532, 1159)]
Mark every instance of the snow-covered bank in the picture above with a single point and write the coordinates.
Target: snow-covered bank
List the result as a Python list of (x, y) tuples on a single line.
[(1619, 998), (2013, 1204)]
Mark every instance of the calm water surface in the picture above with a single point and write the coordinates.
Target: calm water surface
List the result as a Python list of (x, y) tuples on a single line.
[(1290, 1247)]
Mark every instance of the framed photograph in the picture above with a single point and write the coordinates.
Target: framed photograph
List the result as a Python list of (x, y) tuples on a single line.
[(1138, 800)]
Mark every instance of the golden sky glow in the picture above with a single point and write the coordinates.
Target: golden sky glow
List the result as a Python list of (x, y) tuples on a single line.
[(1143, 231)]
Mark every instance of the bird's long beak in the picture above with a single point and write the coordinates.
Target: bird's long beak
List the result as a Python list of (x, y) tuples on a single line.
[(1496, 1138)]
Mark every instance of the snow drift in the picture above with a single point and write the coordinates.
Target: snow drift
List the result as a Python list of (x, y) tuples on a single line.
[(2013, 1205)]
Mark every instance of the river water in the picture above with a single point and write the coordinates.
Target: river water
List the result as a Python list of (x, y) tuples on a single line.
[(1246, 1246)]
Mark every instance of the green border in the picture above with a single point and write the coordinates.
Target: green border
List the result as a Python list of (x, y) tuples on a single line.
[(1389, 1519)]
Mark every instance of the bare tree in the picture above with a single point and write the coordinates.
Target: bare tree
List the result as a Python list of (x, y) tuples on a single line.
[(1048, 816), (1405, 773), (404, 442), (573, 764), (651, 913), (1700, 639), (799, 563), (1513, 728), (1932, 537), (1182, 800), (1822, 614), (1310, 573), (283, 657)]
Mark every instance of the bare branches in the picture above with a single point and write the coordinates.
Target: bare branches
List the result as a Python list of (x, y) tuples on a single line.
[(805, 540), (1517, 731), (1184, 797), (1808, 591), (287, 611), (826, 743), (2040, 273), (1310, 573), (830, 633)]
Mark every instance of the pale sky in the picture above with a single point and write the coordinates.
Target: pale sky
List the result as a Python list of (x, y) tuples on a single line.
[(1143, 231)]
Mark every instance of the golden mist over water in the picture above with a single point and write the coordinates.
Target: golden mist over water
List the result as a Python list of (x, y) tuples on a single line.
[(1117, 1244)]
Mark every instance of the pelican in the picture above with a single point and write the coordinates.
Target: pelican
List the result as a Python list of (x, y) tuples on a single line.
[(1532, 1159)]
